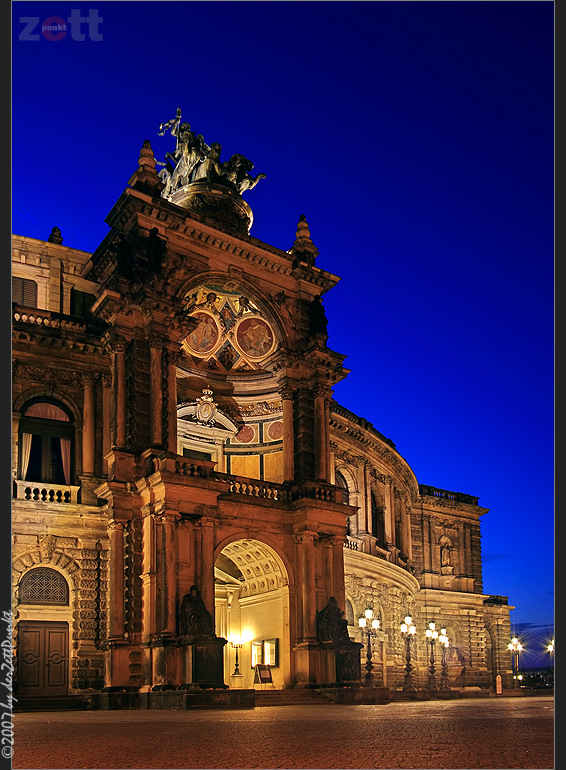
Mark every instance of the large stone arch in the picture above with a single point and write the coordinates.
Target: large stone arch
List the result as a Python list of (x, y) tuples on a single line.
[(253, 608)]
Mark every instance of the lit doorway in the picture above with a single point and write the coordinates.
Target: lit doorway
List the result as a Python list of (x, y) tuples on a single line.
[(252, 611)]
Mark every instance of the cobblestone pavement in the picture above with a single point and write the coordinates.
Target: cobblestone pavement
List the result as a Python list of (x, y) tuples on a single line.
[(494, 733)]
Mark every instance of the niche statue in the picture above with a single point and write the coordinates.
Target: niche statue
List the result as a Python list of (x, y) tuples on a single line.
[(195, 619), (332, 625)]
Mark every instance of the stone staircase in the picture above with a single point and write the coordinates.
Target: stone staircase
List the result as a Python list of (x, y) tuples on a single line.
[(62, 703), (300, 697)]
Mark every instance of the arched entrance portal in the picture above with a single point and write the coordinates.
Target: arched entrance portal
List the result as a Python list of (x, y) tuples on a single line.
[(252, 610)]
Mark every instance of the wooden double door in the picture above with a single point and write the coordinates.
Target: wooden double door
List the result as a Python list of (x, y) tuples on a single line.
[(43, 658)]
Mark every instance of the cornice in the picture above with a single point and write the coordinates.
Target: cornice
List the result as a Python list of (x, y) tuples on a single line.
[(175, 220), (374, 442)]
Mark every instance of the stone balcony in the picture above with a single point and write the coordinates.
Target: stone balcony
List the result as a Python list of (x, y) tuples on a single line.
[(39, 492)]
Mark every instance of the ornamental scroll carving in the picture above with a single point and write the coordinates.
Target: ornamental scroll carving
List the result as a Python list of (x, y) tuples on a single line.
[(42, 374)]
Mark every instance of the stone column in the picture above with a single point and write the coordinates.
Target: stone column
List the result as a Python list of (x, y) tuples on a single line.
[(367, 494), (168, 573), (306, 539), (288, 435), (338, 590), (320, 443), (329, 469), (116, 577), (106, 419), (392, 514), (207, 563), (406, 545), (120, 393), (149, 576), (155, 392), (170, 440), (462, 532), (88, 423), (388, 512)]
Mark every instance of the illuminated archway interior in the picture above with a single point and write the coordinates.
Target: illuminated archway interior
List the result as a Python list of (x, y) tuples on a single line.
[(252, 610)]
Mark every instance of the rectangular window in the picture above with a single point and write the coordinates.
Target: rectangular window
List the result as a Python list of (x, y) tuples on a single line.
[(24, 291), (81, 303)]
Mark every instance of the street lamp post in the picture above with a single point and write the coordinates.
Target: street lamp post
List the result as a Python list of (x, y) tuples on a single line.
[(550, 648), (371, 626), (444, 678), (515, 646), (408, 631), (432, 635), (236, 646)]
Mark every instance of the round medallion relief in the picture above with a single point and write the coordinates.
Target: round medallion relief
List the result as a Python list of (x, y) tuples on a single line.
[(255, 337), (204, 338), (246, 434), (275, 430)]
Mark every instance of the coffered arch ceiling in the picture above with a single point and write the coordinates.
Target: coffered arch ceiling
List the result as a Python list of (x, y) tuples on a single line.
[(254, 565)]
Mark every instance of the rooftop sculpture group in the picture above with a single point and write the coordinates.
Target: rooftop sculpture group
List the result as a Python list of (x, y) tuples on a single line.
[(195, 161)]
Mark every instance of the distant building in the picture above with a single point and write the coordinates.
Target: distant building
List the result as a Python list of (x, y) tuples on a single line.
[(174, 427)]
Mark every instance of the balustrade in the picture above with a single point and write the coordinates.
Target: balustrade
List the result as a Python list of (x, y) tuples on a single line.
[(45, 493)]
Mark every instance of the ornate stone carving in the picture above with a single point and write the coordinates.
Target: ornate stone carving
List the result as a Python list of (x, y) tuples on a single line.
[(47, 546), (206, 408), (41, 374)]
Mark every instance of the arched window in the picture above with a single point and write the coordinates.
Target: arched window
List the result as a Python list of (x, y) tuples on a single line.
[(378, 520), (44, 586), (46, 438), (349, 612), (341, 482)]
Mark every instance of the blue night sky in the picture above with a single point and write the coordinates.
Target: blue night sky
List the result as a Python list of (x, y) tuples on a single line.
[(417, 139)]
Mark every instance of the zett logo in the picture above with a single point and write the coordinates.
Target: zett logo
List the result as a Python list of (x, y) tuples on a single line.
[(55, 29)]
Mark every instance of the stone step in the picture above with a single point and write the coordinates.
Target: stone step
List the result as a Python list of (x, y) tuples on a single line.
[(47, 703), (289, 698)]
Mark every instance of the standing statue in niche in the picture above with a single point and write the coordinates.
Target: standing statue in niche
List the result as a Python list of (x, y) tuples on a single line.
[(195, 619), (444, 555), (318, 321), (332, 625), (155, 250)]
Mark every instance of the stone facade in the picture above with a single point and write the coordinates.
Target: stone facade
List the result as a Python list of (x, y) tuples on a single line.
[(174, 426)]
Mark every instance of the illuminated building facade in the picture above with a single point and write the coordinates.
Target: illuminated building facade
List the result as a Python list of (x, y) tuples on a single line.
[(175, 438)]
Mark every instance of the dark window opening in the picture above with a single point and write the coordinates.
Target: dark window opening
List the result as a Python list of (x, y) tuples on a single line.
[(24, 291), (81, 303), (194, 454), (341, 482), (46, 444), (378, 522)]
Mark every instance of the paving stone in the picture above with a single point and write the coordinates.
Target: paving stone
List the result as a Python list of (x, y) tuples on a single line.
[(495, 733)]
